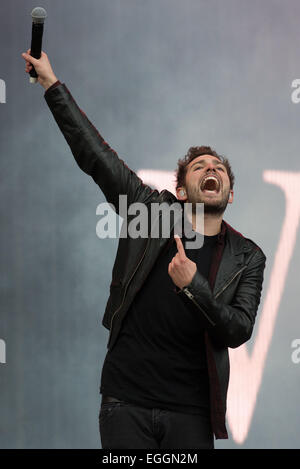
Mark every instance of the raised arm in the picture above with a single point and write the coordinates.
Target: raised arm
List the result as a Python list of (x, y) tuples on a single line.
[(93, 155)]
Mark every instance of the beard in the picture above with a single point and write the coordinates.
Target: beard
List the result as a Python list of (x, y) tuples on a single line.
[(211, 207)]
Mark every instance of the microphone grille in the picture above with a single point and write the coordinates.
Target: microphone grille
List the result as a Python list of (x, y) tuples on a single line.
[(38, 15)]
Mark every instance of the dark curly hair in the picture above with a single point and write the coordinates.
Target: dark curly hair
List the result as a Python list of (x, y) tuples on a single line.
[(194, 152)]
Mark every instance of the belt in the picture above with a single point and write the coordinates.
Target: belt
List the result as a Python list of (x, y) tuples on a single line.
[(106, 399)]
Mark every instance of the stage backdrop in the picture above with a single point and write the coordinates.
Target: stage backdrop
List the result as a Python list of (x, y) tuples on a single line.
[(155, 77)]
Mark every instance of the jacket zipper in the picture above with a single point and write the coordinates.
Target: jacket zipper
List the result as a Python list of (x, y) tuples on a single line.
[(126, 290), (191, 296), (237, 273), (231, 280)]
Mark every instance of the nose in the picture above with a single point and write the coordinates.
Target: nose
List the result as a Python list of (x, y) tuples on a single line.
[(210, 167)]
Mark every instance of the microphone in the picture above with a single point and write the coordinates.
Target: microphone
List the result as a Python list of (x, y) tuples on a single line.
[(38, 17)]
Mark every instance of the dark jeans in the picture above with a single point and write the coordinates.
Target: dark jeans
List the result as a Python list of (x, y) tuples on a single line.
[(123, 425)]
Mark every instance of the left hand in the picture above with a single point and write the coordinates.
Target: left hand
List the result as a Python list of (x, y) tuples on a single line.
[(181, 269)]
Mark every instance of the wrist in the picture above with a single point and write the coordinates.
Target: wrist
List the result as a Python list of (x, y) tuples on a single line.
[(49, 82)]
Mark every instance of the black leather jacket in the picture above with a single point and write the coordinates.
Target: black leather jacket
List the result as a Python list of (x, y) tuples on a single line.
[(228, 312)]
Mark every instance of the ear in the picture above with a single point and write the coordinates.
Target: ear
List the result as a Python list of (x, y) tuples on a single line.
[(230, 200), (181, 193)]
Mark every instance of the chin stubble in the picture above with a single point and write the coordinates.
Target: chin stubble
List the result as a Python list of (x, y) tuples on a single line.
[(212, 209)]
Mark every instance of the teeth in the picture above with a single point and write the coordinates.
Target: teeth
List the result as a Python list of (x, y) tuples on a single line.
[(207, 179), (211, 177)]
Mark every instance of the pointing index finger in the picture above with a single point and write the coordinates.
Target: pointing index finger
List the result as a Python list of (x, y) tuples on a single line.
[(180, 247)]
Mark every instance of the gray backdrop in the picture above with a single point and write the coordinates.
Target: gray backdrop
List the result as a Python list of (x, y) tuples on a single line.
[(155, 77)]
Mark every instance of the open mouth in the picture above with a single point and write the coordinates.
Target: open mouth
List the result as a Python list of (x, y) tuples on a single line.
[(210, 184)]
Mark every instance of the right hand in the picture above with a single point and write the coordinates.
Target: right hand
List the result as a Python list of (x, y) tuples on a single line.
[(42, 67)]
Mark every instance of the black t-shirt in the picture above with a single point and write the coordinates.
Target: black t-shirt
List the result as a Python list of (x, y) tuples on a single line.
[(159, 358)]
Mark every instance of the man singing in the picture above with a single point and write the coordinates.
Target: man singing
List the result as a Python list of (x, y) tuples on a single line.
[(173, 310)]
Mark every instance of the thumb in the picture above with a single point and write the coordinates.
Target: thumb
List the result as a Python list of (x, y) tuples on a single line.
[(29, 58)]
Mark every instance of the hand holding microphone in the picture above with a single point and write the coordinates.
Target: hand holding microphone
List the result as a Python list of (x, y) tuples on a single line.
[(37, 63), (42, 67)]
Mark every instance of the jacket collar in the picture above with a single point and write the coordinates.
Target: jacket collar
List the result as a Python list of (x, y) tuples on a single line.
[(235, 247)]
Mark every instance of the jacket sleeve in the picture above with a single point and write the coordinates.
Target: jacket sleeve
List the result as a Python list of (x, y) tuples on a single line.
[(229, 325), (92, 154)]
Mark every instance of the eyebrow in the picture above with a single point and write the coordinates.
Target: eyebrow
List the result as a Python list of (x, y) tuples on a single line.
[(216, 161)]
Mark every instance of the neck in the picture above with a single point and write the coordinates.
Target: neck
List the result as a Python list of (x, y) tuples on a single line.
[(212, 224)]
